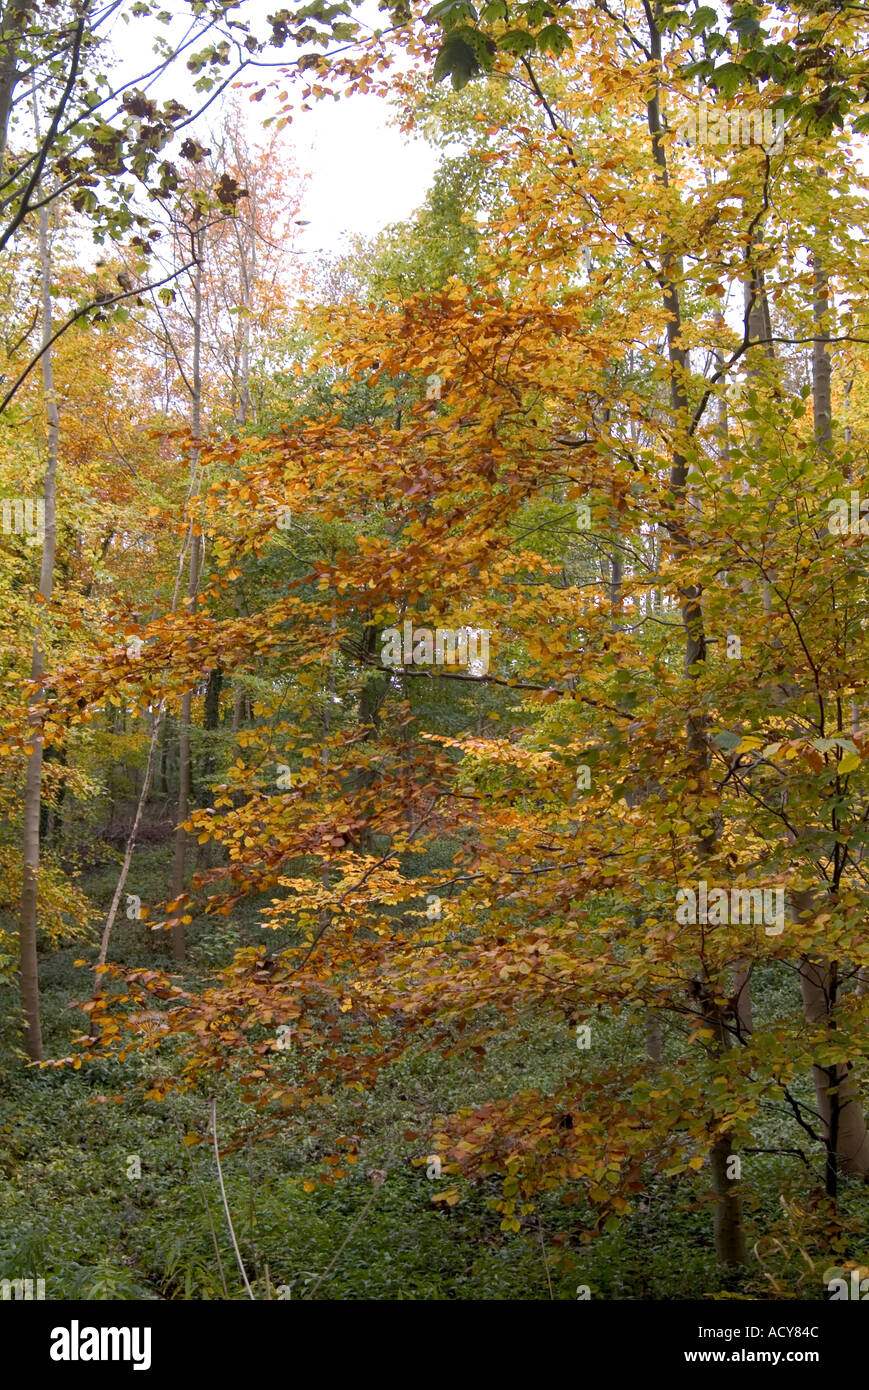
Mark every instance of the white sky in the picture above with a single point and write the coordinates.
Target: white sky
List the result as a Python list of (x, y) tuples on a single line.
[(363, 173)]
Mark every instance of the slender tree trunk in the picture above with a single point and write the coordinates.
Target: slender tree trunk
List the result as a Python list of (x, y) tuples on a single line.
[(742, 996), (237, 708), (164, 756), (33, 783), (184, 760), (730, 1242), (182, 810), (730, 1245), (821, 365), (836, 1091), (370, 698), (837, 1095), (125, 867), (49, 814), (654, 1040), (741, 975), (16, 16), (247, 265), (210, 725)]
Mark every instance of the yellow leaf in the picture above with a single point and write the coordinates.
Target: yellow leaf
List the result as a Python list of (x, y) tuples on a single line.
[(450, 1197)]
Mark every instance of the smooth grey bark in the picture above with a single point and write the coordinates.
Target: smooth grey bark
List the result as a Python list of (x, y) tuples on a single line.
[(836, 1090), (29, 917), (247, 260), (16, 15), (184, 761)]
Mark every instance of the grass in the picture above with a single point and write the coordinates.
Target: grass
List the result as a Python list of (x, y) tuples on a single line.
[(76, 1214)]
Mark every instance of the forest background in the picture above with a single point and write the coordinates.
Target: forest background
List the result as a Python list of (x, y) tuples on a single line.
[(334, 973)]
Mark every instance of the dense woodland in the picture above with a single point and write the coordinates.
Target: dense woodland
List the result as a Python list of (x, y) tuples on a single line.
[(433, 855)]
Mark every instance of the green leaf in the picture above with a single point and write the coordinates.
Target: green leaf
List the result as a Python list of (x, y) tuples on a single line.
[(451, 13), (553, 39), (728, 78), (725, 739), (456, 60), (517, 41), (703, 19)]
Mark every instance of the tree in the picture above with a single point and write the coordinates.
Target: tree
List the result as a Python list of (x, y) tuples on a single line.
[(536, 453)]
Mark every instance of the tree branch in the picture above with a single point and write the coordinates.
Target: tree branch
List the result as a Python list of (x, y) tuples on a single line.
[(79, 313)]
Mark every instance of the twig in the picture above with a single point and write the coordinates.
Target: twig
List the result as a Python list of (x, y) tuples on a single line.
[(125, 867), (252, 1209), (543, 1253), (204, 1197), (223, 1195), (799, 1153), (73, 318), (24, 205)]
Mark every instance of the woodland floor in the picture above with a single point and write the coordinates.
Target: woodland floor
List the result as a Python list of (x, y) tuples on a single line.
[(71, 1213)]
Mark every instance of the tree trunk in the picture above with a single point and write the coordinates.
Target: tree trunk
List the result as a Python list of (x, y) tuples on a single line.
[(730, 1244), (742, 997), (210, 725), (16, 16), (237, 707), (836, 1093), (247, 266), (164, 756), (125, 867), (184, 767), (728, 1231), (182, 810), (33, 785), (654, 1040), (821, 366)]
